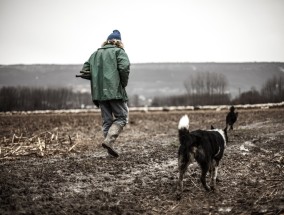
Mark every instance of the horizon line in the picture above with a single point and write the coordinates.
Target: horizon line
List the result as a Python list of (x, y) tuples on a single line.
[(169, 62)]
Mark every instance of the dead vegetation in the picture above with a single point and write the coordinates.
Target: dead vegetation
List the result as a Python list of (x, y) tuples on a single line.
[(54, 164), (45, 143)]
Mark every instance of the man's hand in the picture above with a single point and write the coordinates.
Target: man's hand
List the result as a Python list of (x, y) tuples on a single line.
[(84, 75)]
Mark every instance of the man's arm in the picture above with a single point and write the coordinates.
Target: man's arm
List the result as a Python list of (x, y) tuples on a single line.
[(123, 67)]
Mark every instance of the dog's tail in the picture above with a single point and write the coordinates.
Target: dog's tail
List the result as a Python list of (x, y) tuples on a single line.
[(183, 128), (184, 139), (183, 123)]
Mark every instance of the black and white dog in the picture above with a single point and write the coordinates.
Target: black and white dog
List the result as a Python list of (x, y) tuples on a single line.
[(206, 147)]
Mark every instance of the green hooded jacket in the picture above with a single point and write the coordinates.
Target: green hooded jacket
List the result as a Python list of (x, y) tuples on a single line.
[(109, 67)]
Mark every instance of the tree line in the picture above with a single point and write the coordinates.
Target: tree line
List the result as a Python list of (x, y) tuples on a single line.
[(28, 98), (211, 89), (272, 91), (202, 89)]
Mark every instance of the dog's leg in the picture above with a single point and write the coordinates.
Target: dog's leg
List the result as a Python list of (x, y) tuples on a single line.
[(182, 169), (182, 166), (214, 174), (204, 171)]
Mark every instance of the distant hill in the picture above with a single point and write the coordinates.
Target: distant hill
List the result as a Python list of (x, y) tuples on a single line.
[(147, 79)]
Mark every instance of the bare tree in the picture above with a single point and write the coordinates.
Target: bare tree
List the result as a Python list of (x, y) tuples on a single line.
[(273, 90), (206, 83)]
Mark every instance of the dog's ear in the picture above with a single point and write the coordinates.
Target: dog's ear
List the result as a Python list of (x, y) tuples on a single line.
[(212, 127)]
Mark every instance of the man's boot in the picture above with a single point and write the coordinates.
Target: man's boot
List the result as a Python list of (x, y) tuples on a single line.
[(112, 134)]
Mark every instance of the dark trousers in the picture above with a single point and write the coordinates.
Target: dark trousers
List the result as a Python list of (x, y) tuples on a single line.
[(113, 111)]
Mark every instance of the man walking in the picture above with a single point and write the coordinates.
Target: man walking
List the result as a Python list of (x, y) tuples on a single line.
[(109, 68)]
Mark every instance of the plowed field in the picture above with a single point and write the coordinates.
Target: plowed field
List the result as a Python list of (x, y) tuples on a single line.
[(54, 164)]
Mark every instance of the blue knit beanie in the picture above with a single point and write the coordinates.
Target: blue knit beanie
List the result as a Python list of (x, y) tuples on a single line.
[(114, 35)]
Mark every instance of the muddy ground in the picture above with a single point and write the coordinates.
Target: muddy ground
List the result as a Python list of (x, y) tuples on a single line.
[(54, 164)]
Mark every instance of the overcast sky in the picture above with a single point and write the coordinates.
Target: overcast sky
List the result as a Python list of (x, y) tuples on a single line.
[(69, 31)]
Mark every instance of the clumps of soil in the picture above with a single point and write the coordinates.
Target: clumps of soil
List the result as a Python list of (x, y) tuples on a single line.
[(54, 164)]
